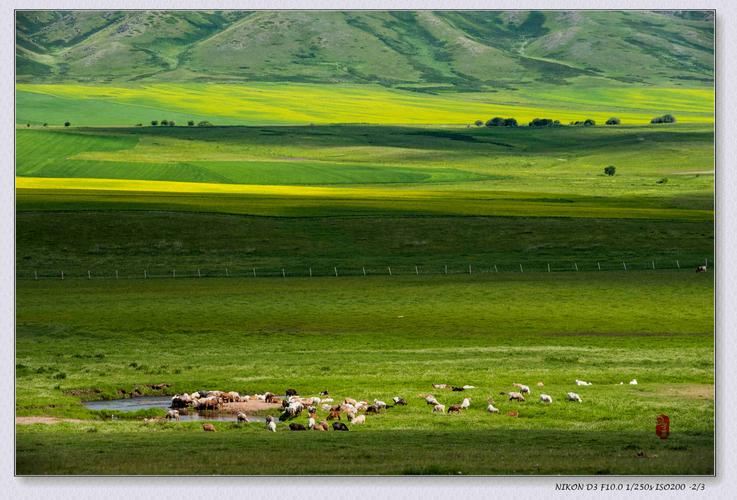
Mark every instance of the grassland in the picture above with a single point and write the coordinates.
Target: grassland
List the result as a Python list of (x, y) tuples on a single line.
[(376, 338)]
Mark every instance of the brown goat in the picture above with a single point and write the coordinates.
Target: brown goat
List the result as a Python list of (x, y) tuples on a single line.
[(334, 415), (208, 427)]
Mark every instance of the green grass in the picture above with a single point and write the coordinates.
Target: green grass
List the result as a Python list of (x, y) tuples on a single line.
[(373, 339)]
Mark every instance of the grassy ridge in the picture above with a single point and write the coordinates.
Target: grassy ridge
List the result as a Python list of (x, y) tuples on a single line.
[(294, 103), (379, 338)]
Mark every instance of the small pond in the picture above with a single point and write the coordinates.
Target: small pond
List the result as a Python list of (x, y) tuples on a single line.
[(164, 402)]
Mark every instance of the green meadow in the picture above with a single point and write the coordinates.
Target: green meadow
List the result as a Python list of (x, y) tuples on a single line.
[(374, 337)]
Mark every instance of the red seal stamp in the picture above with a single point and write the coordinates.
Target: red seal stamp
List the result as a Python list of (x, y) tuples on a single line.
[(662, 428)]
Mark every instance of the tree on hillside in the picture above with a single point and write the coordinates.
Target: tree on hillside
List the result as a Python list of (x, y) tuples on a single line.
[(543, 122), (497, 121), (610, 170), (66, 124), (664, 119), (164, 123), (613, 121), (154, 123), (190, 123), (589, 123), (204, 123), (28, 125), (510, 122), (46, 124), (171, 123)]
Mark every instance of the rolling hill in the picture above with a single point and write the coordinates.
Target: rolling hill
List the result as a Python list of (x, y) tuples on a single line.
[(460, 50)]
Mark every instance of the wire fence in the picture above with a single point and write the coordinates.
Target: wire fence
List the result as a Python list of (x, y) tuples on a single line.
[(366, 271)]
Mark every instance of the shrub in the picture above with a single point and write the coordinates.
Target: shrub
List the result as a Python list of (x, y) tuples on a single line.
[(510, 122), (60, 376), (613, 121), (139, 124), (543, 122), (66, 124), (478, 123), (664, 119), (46, 124), (171, 123), (154, 123), (497, 121), (190, 123), (204, 123), (28, 125), (164, 123), (664, 180), (589, 122), (610, 170)]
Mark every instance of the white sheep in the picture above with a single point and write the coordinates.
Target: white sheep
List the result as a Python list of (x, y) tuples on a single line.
[(241, 417), (467, 387), (172, 414), (491, 408), (544, 398), (325, 407), (361, 419), (439, 386), (572, 396), (466, 403), (327, 400), (582, 382), (431, 400), (633, 381), (311, 423), (516, 396), (438, 408), (380, 404), (270, 424)]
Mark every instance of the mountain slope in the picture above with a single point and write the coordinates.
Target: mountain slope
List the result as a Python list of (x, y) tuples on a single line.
[(459, 49)]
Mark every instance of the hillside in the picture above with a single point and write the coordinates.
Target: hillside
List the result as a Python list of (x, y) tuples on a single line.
[(461, 50)]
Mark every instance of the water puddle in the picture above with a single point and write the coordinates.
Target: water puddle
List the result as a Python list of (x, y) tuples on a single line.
[(163, 402)]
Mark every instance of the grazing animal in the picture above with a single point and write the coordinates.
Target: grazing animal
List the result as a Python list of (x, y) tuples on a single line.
[(294, 426), (438, 408), (523, 388), (399, 401), (181, 401), (349, 401), (513, 413), (325, 407), (372, 409), (469, 387), (323, 393), (457, 389), (172, 414), (544, 398), (241, 417), (440, 386), (327, 400), (492, 409), (334, 415), (700, 269), (516, 396), (430, 399), (572, 396), (633, 381), (339, 426), (208, 427), (380, 404), (466, 403), (291, 392), (322, 426), (455, 408), (582, 382), (270, 424), (361, 419), (540, 384)]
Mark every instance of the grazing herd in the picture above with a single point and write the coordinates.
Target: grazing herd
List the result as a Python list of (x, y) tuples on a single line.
[(355, 411)]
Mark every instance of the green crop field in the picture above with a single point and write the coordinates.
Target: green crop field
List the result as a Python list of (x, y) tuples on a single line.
[(344, 221)]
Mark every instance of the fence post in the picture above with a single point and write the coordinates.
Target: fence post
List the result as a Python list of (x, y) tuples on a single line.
[(469, 269), (548, 266), (336, 271), (446, 269), (89, 275), (678, 264), (198, 273), (116, 274), (576, 266), (598, 264), (283, 273), (706, 262), (390, 270), (173, 273), (653, 264), (62, 275), (625, 265), (227, 274), (145, 274), (254, 272), (520, 268), (495, 269), (310, 272), (35, 275), (364, 270), (417, 272)]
